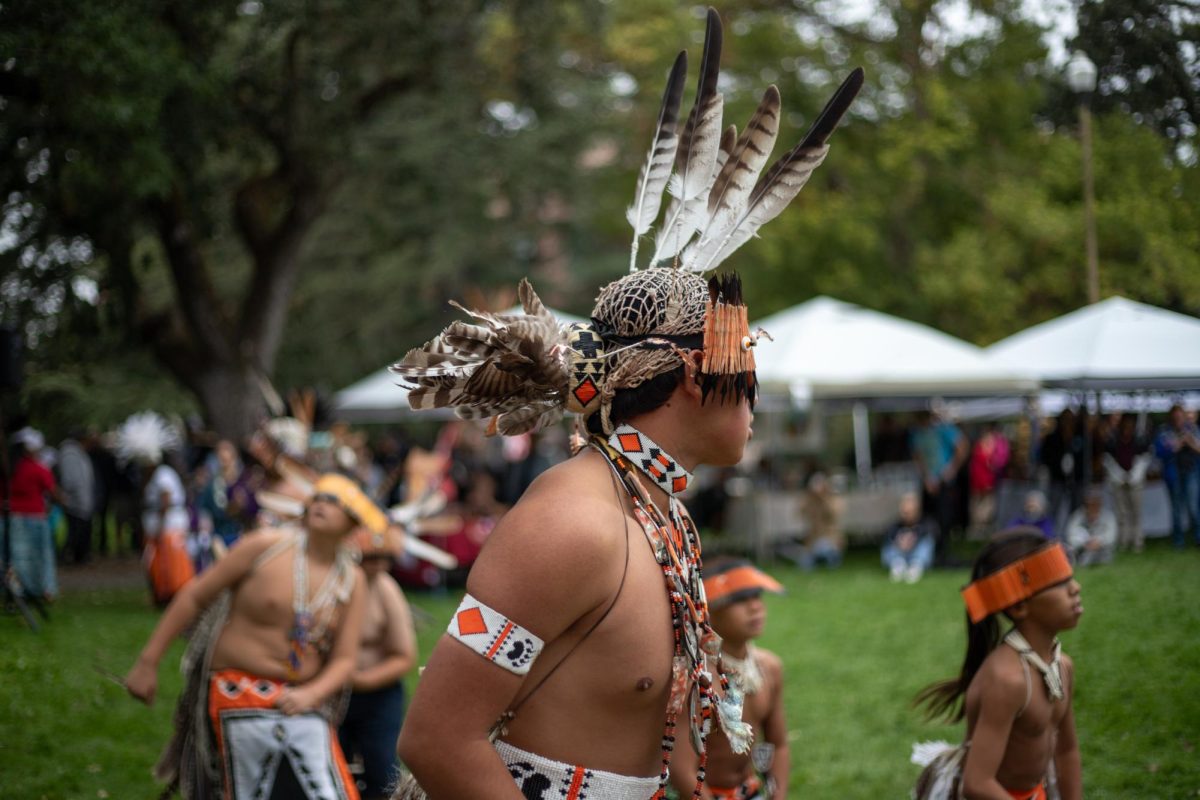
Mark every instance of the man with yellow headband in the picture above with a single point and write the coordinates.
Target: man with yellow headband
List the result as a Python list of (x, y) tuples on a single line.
[(275, 644)]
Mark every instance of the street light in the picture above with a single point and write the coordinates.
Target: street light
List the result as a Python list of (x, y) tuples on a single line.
[(1081, 77)]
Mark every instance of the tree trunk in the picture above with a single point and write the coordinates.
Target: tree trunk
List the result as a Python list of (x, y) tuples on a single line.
[(232, 399)]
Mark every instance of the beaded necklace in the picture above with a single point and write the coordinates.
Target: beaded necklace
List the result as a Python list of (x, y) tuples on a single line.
[(675, 543), (310, 619)]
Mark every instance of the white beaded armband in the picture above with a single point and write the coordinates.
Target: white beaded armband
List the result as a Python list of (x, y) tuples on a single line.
[(494, 636)]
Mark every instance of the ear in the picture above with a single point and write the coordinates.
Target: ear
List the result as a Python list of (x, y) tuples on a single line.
[(691, 374), (1017, 612)]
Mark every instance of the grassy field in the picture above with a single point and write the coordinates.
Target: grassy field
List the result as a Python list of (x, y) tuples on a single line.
[(856, 648)]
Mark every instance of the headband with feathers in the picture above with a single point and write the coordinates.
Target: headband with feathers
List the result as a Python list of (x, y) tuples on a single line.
[(524, 370)]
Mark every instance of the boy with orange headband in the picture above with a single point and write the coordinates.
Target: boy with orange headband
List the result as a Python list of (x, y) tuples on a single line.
[(1020, 740), (734, 590), (265, 663)]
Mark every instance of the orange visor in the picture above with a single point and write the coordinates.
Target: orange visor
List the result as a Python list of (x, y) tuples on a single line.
[(737, 581), (1018, 581), (352, 500)]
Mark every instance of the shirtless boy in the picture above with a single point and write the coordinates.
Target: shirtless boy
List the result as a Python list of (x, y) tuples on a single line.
[(387, 652), (293, 613), (1015, 692), (734, 589)]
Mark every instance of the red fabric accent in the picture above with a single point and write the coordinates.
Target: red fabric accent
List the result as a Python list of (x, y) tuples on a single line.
[(1018, 581), (1036, 793), (31, 482), (747, 788)]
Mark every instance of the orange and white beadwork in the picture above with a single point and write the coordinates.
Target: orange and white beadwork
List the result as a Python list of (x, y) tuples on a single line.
[(641, 451), (494, 636)]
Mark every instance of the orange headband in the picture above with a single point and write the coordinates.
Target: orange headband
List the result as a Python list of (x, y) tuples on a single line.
[(738, 583), (1018, 581)]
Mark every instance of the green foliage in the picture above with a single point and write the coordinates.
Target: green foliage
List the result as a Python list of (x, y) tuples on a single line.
[(855, 648), (367, 164)]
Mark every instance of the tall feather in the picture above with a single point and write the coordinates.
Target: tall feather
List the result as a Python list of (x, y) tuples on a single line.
[(733, 185), (694, 214), (784, 180), (696, 158), (657, 170)]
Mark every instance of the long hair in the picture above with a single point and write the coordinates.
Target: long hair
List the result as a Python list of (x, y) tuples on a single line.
[(945, 698)]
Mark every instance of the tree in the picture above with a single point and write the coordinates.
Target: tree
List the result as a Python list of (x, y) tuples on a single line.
[(180, 156)]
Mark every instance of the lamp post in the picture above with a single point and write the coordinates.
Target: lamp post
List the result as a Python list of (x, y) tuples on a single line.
[(1081, 77)]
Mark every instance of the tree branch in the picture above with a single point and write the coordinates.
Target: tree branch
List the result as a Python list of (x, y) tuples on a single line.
[(193, 290)]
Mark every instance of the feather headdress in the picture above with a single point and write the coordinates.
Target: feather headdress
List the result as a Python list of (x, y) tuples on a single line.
[(523, 371), (145, 436)]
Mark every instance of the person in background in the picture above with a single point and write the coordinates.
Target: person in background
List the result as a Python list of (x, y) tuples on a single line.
[(989, 458), (227, 497), (1062, 457), (387, 651), (939, 449), (30, 548), (1092, 531), (145, 438), (1126, 460), (908, 548), (822, 509), (1033, 515), (78, 482), (1178, 447), (735, 590), (1015, 689)]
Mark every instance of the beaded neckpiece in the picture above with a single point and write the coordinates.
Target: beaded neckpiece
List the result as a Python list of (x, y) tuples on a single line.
[(311, 618), (641, 451), (675, 543)]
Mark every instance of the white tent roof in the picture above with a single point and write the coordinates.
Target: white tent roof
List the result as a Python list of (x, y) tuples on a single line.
[(1114, 344), (379, 397), (828, 348)]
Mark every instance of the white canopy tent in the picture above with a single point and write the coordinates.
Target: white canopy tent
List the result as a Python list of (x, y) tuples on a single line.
[(379, 397), (826, 348), (1112, 345)]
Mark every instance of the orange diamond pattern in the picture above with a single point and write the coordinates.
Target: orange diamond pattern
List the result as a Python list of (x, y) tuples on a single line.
[(586, 391), (630, 442), (471, 621)]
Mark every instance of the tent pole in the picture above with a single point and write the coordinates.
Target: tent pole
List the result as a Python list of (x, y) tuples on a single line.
[(862, 440)]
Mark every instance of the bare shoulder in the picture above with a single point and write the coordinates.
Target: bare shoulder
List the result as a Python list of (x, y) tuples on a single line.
[(552, 557), (1001, 679), (571, 513), (385, 587), (770, 663)]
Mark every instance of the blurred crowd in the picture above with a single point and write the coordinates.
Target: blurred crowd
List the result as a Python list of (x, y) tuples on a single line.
[(79, 498), (1081, 480), (1077, 478)]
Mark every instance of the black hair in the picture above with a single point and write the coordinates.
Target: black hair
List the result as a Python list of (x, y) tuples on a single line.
[(945, 698), (641, 399)]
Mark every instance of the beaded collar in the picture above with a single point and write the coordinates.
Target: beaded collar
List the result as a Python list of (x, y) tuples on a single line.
[(676, 546), (642, 452)]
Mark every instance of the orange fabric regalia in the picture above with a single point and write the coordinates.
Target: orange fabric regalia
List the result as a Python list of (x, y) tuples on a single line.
[(1018, 581)]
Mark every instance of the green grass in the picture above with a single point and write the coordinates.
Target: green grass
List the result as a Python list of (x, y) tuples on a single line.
[(856, 648)]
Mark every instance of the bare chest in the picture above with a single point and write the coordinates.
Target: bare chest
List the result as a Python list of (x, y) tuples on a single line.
[(267, 597)]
